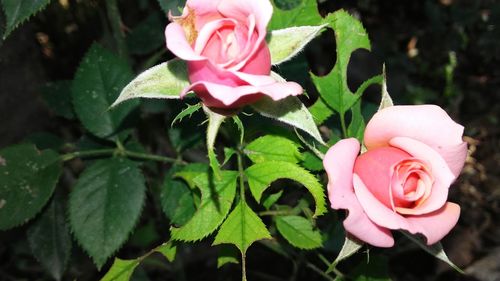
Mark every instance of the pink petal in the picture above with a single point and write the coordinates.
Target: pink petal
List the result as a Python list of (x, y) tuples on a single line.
[(203, 6), (208, 30), (429, 124), (178, 44), (222, 96), (455, 156), (434, 226), (443, 177), (339, 165)]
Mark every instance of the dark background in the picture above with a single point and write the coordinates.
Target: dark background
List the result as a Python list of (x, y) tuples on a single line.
[(414, 38)]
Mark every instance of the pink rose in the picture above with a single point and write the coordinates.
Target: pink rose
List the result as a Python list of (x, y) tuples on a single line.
[(223, 42), (414, 153)]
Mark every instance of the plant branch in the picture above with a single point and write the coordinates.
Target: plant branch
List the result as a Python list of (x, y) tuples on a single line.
[(116, 27)]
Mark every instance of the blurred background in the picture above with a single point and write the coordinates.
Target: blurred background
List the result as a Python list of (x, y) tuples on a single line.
[(445, 52)]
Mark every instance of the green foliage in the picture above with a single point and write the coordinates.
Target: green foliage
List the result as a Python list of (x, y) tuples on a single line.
[(299, 232), (217, 197), (261, 175), (373, 269), (27, 179), (227, 254), (285, 44), (269, 200), (273, 148), (312, 162), (18, 11), (290, 111), (173, 6), (186, 112), (121, 270), (305, 13), (57, 95), (97, 83), (214, 121), (145, 38), (163, 81), (242, 228), (105, 205), (320, 111), (349, 248), (168, 250), (176, 199), (50, 240)]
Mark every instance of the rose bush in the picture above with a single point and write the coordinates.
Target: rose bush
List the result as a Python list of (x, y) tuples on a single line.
[(414, 153), (223, 42)]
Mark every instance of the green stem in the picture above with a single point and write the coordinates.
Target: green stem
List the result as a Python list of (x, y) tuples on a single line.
[(146, 156), (115, 22), (87, 153), (276, 213), (121, 151), (319, 271), (242, 176), (342, 123)]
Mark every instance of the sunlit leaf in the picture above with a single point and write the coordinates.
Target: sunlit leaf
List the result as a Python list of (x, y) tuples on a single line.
[(269, 148), (299, 232)]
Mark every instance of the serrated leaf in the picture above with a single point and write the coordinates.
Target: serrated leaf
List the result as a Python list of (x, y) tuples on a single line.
[(18, 11), (436, 250), (284, 44), (27, 180), (268, 201), (163, 81), (121, 270), (176, 199), (217, 197), (191, 171), (50, 240), (306, 13), (168, 250), (273, 148), (350, 35), (98, 80), (227, 254), (105, 205), (320, 111), (299, 232), (242, 228), (261, 175), (349, 248), (188, 111), (57, 95), (312, 162), (386, 100), (290, 111), (147, 35)]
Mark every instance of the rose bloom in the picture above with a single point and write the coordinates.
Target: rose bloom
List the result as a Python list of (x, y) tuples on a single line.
[(223, 42), (414, 153)]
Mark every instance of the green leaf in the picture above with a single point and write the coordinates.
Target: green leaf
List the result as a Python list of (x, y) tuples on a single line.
[(171, 5), (350, 247), (146, 36), (269, 148), (168, 250), (50, 240), (45, 140), (121, 270), (261, 175), (269, 200), (227, 254), (312, 162), (18, 11), (290, 111), (350, 36), (356, 128), (191, 171), (176, 199), (373, 269), (188, 111), (320, 111), (97, 83), (306, 13), (216, 199), (163, 81), (57, 95), (242, 228), (214, 121), (299, 232), (27, 180), (386, 100), (436, 250), (284, 44), (241, 128), (105, 205)]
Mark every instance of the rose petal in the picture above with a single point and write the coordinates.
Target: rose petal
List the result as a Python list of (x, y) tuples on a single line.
[(208, 30), (443, 177), (455, 156), (221, 96), (429, 124), (178, 44), (339, 165), (434, 226)]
